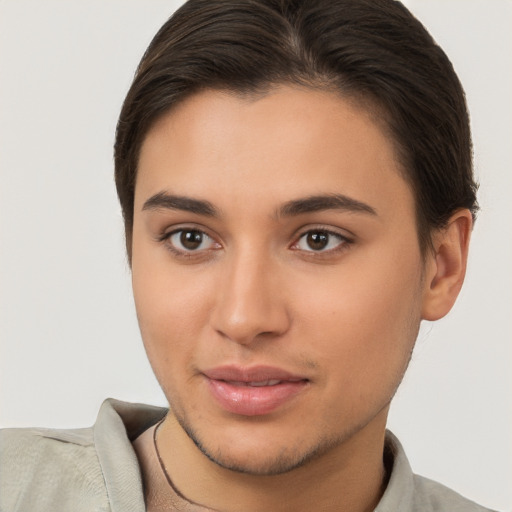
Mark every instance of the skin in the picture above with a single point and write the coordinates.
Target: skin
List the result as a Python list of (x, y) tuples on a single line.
[(256, 291)]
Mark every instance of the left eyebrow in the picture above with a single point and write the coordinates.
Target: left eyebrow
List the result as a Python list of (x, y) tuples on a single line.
[(165, 201), (324, 202)]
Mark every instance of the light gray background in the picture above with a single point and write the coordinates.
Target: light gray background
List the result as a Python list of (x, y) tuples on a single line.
[(69, 337)]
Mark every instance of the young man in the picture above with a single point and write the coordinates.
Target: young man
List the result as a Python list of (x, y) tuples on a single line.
[(296, 183)]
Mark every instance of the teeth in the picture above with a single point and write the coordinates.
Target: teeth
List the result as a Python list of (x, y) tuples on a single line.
[(271, 382), (257, 384)]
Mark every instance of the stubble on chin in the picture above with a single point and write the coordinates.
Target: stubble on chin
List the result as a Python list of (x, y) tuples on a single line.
[(281, 461)]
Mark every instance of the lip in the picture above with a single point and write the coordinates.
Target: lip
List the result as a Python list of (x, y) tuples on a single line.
[(235, 388)]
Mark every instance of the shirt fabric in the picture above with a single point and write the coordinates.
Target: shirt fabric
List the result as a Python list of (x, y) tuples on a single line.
[(96, 469)]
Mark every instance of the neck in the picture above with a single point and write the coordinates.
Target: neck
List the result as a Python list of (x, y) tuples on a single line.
[(349, 477)]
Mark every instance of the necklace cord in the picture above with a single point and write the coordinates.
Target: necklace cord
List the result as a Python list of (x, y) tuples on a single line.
[(160, 461), (166, 474)]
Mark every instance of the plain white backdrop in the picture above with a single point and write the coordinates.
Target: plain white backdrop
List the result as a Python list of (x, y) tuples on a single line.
[(69, 336)]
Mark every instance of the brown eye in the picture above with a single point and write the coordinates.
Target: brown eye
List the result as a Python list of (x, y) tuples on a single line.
[(320, 241), (190, 240), (317, 240)]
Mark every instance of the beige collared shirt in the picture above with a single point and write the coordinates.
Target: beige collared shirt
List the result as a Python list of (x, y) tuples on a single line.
[(96, 469)]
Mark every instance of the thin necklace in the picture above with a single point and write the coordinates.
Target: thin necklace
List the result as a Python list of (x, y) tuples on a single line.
[(167, 477), (161, 462)]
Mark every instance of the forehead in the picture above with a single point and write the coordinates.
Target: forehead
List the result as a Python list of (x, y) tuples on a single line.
[(291, 141)]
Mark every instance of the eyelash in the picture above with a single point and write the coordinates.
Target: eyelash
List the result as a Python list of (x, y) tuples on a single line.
[(184, 253), (344, 243)]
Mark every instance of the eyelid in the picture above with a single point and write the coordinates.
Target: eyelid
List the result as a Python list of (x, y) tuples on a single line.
[(345, 239), (176, 228), (165, 237), (327, 228)]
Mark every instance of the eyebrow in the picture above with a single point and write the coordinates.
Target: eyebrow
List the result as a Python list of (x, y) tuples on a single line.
[(324, 202), (166, 201)]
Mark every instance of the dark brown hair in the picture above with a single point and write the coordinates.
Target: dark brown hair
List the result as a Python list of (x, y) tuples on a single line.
[(373, 51)]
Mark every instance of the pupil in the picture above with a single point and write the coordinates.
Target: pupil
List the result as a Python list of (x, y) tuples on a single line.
[(317, 240), (191, 239)]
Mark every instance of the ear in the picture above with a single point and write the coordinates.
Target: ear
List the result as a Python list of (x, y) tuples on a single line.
[(446, 266)]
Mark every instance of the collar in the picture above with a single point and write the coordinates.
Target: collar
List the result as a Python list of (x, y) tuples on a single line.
[(119, 423)]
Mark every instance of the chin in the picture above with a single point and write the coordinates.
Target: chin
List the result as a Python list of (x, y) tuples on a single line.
[(263, 458), (257, 462)]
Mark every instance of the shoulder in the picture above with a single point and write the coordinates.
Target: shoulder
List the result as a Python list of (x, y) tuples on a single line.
[(43, 467), (407, 492), (433, 496), (76, 470)]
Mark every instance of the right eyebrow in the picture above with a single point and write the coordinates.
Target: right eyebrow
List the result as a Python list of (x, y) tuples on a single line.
[(325, 202), (166, 201)]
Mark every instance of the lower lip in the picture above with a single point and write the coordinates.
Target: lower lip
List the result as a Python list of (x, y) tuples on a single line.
[(254, 400)]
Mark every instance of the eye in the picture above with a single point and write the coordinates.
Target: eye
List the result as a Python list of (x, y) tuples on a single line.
[(190, 240), (320, 241)]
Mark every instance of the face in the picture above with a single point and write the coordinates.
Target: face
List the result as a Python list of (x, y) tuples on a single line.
[(276, 272)]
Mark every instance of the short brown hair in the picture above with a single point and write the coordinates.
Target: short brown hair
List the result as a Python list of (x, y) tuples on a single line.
[(374, 50)]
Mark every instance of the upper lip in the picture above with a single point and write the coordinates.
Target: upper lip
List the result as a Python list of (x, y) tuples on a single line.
[(232, 373)]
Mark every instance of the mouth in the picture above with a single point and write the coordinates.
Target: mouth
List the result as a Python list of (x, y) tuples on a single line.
[(257, 384), (253, 391)]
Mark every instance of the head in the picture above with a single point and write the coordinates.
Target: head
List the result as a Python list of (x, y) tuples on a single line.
[(296, 183), (372, 52)]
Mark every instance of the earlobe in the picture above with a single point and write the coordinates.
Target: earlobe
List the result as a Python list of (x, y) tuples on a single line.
[(446, 266)]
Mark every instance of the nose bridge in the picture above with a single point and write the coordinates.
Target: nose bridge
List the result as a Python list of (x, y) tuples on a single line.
[(249, 303)]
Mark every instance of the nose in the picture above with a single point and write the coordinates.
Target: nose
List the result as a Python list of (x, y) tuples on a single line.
[(250, 304)]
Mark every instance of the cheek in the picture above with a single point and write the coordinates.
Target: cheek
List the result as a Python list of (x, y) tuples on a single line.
[(365, 321), (170, 312)]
